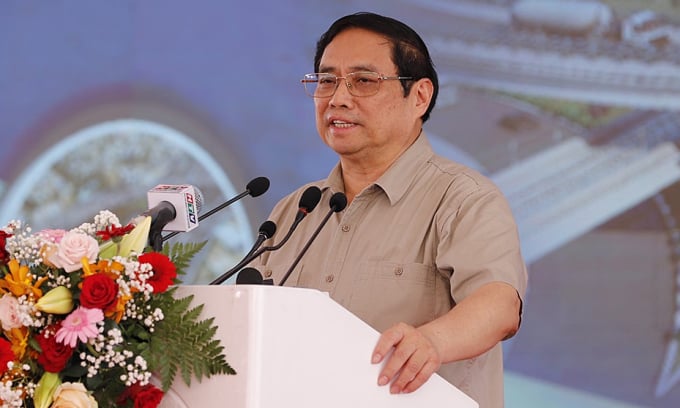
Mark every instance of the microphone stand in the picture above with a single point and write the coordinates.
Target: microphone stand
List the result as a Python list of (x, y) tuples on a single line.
[(310, 198), (256, 187), (254, 254), (211, 212), (338, 203)]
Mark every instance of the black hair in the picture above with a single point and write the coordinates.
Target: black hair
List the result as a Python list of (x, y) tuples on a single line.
[(409, 52)]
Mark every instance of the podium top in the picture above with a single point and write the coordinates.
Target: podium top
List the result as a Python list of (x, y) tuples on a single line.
[(297, 347)]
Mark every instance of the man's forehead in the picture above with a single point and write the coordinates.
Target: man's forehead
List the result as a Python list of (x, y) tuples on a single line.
[(357, 50)]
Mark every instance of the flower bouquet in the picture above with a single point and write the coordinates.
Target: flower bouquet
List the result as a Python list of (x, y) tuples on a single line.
[(89, 317)]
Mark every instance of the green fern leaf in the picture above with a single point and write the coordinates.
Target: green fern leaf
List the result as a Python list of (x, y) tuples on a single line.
[(184, 344), (181, 254)]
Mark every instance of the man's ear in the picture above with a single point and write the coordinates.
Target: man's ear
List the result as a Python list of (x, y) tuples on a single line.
[(422, 90)]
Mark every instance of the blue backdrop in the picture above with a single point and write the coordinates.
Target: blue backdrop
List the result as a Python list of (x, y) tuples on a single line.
[(570, 106)]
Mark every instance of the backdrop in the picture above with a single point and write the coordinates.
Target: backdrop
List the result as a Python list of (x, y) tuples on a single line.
[(572, 107)]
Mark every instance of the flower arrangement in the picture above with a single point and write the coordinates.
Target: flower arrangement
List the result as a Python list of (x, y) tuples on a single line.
[(89, 317)]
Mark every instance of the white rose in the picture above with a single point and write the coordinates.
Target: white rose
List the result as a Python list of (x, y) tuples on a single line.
[(73, 395), (73, 247), (9, 312)]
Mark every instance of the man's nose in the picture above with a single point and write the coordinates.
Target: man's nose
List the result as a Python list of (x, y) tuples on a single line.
[(342, 93)]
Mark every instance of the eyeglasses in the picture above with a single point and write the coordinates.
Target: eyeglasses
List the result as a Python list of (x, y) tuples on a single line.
[(324, 85)]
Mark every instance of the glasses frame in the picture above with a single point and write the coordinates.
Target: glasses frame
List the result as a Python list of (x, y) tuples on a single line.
[(381, 77)]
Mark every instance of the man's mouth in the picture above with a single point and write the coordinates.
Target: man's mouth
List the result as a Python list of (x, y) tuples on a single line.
[(341, 124)]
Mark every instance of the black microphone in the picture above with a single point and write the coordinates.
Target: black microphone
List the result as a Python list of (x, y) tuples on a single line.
[(174, 208), (337, 203), (249, 276), (161, 215), (256, 187), (266, 231), (309, 200)]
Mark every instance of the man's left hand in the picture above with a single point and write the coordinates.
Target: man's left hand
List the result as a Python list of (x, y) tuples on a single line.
[(413, 360)]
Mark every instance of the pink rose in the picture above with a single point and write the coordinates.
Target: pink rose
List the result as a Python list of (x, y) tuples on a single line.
[(52, 235), (9, 312), (73, 247)]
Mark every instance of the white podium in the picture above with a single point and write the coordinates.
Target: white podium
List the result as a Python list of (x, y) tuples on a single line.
[(295, 347)]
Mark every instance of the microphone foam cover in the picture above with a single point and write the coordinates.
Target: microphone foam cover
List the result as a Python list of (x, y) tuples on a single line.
[(338, 202), (268, 228), (310, 198), (249, 276), (257, 186)]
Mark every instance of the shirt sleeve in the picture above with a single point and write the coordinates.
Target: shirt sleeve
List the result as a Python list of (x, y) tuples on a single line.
[(480, 244)]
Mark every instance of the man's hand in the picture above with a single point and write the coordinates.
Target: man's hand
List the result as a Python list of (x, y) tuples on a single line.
[(413, 360)]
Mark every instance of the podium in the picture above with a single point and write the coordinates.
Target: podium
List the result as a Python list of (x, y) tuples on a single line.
[(294, 347)]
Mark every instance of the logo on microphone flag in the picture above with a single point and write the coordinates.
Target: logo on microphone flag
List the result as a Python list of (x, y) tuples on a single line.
[(184, 198)]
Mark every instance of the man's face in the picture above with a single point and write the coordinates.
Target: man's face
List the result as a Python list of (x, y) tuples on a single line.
[(365, 128)]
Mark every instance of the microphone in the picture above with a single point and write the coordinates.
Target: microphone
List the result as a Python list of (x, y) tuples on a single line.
[(337, 203), (256, 187), (174, 208), (249, 276), (266, 231), (308, 201)]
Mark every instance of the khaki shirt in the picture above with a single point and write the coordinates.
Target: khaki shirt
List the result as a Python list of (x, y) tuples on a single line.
[(427, 234)]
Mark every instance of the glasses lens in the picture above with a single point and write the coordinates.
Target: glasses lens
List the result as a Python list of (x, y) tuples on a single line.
[(319, 85), (364, 83)]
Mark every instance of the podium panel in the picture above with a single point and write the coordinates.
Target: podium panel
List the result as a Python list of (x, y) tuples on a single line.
[(294, 347)]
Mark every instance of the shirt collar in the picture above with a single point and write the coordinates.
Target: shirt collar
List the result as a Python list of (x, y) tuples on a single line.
[(396, 180)]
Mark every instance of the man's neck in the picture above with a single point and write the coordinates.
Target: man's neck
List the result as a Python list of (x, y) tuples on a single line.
[(359, 173)]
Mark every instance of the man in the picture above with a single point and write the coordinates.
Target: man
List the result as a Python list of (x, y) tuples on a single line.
[(426, 250)]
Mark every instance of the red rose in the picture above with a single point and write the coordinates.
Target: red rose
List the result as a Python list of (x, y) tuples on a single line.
[(146, 396), (6, 355), (4, 255), (54, 355), (164, 271), (98, 292)]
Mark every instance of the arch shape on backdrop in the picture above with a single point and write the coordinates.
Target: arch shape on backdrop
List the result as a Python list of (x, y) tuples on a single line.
[(110, 165)]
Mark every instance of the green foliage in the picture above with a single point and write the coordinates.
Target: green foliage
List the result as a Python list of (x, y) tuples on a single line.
[(181, 254), (182, 342)]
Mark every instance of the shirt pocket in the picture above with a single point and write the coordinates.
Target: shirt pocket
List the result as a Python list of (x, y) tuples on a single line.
[(386, 293)]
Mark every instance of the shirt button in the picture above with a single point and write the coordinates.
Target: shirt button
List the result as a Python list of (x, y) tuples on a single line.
[(398, 271), (329, 278), (268, 273), (345, 228)]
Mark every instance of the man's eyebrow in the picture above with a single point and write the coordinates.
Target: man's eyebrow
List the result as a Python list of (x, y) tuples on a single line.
[(354, 68)]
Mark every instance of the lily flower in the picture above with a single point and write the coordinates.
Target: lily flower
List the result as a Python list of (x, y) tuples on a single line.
[(57, 301), (45, 390), (136, 240), (133, 241)]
